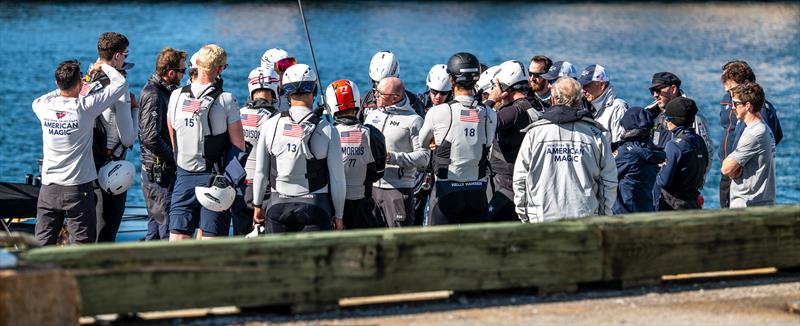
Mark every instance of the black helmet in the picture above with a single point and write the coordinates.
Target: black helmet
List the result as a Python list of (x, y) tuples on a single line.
[(465, 68)]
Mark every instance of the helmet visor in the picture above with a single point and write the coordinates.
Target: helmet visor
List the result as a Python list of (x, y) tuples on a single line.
[(285, 63), (299, 87)]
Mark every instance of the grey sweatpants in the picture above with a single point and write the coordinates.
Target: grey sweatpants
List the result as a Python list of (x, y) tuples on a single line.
[(395, 205), (75, 203)]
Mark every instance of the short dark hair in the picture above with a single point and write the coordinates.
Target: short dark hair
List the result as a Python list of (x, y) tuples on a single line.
[(169, 59), (739, 72), (68, 74), (110, 43), (750, 92), (542, 60)]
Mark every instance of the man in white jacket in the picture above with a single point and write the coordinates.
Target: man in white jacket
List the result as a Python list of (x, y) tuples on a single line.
[(606, 107), (564, 168), (400, 124)]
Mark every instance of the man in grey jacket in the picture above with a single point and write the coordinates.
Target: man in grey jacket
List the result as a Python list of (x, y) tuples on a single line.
[(396, 119), (564, 168)]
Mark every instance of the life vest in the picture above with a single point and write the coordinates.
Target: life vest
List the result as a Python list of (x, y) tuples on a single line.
[(292, 164), (356, 155), (198, 149), (462, 154), (100, 150)]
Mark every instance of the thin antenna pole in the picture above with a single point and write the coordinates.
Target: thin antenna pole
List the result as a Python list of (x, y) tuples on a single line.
[(313, 57)]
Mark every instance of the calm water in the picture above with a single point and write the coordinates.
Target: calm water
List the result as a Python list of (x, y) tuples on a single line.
[(631, 41)]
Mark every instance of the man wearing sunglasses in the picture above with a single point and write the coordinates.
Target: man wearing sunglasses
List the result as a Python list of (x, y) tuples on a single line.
[(735, 73), (514, 113), (114, 133), (751, 166), (539, 93), (439, 90), (158, 162), (665, 87)]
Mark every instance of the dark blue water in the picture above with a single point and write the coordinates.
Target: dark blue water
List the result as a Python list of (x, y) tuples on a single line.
[(632, 41)]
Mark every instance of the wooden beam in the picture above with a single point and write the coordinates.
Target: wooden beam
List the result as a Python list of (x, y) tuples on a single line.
[(320, 268), (324, 267)]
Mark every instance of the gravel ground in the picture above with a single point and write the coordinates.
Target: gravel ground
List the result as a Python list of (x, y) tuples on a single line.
[(734, 301)]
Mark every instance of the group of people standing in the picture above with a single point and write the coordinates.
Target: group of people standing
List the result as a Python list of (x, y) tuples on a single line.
[(479, 144)]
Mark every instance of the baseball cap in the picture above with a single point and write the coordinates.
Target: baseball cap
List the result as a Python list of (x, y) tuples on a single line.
[(681, 111), (637, 118), (560, 69), (593, 73), (664, 79)]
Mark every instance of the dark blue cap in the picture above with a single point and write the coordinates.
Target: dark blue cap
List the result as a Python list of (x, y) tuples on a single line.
[(637, 118)]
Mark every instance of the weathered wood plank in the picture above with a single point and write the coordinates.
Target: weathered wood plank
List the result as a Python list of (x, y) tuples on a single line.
[(318, 268), (324, 267), (643, 246)]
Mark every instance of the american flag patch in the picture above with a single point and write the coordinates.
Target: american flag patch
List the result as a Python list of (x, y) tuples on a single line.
[(350, 137), (192, 106), (250, 120), (85, 89), (293, 130), (469, 116)]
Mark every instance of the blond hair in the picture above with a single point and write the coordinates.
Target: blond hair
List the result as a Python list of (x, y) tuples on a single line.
[(567, 92), (211, 57)]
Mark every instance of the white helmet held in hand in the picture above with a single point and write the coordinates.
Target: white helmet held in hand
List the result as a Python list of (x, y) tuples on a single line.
[(218, 196), (383, 64), (115, 177), (341, 95), (299, 78), (486, 81), (271, 56), (439, 79), (512, 75), (261, 78)]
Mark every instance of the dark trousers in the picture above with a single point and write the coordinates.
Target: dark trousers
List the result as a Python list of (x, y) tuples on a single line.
[(75, 203), (109, 209), (501, 208), (454, 203), (297, 217), (157, 198), (360, 214), (724, 192), (395, 205)]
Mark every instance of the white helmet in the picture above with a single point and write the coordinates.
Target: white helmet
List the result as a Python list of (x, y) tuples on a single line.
[(383, 64), (193, 60), (261, 78), (299, 78), (342, 94), (218, 196), (439, 79), (115, 177), (486, 81), (271, 56), (512, 75)]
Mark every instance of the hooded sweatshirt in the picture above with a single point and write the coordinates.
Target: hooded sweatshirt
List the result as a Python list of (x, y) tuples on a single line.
[(608, 111), (564, 168), (400, 125), (637, 166)]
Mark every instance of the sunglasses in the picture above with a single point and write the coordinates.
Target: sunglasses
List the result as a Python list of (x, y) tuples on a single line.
[(535, 74), (387, 94), (737, 103), (658, 91), (438, 93), (285, 63), (182, 71)]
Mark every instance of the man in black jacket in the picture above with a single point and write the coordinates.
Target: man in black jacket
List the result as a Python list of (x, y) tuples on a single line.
[(158, 162)]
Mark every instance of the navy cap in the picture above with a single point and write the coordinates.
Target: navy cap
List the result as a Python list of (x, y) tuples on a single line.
[(637, 118), (593, 73), (664, 79), (681, 111), (560, 69)]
